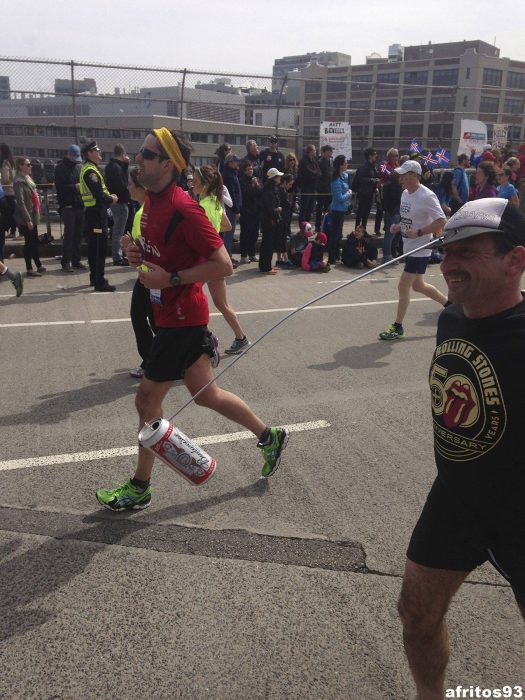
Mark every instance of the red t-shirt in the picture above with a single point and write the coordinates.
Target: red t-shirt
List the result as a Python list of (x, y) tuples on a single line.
[(192, 241)]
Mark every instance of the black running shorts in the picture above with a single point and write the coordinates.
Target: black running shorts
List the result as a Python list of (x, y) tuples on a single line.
[(449, 536), (173, 350)]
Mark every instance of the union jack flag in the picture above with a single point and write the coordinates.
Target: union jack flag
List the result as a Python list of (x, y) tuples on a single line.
[(430, 159), (415, 147), (443, 156)]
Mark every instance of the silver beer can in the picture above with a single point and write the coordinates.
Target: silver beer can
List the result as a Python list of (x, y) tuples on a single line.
[(177, 451)]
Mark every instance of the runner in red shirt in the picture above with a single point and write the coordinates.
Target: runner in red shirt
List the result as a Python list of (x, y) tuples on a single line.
[(181, 251)]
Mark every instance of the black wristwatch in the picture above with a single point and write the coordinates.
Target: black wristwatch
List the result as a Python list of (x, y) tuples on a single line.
[(175, 279), (420, 232)]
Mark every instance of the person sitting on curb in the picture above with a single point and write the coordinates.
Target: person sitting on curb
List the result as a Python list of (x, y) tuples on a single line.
[(312, 258), (358, 251), (298, 243)]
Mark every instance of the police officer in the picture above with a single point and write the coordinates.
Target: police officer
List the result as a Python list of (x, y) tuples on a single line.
[(96, 199)]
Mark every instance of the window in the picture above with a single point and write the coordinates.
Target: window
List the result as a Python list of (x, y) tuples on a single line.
[(465, 101), (359, 104), (489, 104), (448, 76), (492, 76), (411, 130), (335, 86), (516, 80), (29, 130), (513, 106), (467, 76), (14, 131), (447, 131), (416, 77), (442, 103), (434, 131), (515, 132), (312, 86), (384, 131), (386, 104), (198, 138), (311, 112), (413, 103), (258, 119), (367, 78), (388, 78)]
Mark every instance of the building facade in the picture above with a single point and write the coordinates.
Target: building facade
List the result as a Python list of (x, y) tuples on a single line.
[(420, 93)]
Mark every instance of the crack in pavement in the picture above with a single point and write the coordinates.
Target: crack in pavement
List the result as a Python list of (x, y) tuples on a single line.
[(179, 539)]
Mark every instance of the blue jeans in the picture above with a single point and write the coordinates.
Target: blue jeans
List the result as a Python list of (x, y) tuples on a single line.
[(120, 217)]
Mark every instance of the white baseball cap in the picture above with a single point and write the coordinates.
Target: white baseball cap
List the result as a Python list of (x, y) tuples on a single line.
[(409, 166)]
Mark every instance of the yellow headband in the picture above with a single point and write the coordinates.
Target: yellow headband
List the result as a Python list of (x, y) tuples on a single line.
[(171, 147)]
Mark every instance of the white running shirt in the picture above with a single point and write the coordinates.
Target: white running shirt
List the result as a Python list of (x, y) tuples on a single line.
[(417, 210)]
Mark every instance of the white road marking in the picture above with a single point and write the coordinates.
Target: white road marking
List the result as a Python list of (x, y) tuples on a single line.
[(69, 458), (316, 307)]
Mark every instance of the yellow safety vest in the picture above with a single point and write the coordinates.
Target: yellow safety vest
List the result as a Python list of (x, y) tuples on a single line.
[(85, 192)]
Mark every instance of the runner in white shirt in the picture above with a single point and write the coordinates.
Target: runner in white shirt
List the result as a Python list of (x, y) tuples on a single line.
[(421, 217)]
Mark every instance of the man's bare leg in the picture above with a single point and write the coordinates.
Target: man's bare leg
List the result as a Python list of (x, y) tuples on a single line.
[(148, 403), (224, 402), (428, 290), (404, 286), (423, 603)]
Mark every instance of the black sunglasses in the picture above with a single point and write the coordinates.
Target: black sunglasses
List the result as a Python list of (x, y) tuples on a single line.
[(151, 155)]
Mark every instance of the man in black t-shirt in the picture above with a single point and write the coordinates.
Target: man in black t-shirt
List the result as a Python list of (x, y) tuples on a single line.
[(474, 512)]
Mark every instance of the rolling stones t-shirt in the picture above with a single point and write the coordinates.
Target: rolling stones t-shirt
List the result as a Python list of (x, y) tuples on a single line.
[(477, 386)]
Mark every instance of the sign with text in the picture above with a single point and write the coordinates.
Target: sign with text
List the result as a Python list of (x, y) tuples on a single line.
[(473, 136), (500, 135), (338, 135)]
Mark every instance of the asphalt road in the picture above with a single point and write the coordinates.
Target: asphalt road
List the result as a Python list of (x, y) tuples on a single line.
[(240, 589)]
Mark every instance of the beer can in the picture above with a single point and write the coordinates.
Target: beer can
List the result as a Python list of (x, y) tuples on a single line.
[(177, 451)]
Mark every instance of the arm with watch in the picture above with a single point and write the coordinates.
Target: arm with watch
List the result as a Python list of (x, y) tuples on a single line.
[(435, 227), (217, 266)]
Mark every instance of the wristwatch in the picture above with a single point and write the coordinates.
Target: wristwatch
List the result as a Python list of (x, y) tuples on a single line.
[(175, 279), (420, 233)]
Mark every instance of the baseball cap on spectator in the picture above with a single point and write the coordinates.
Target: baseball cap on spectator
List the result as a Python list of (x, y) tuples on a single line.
[(273, 172), (487, 147), (409, 166), (327, 147), (490, 215), (488, 155), (74, 151), (273, 139)]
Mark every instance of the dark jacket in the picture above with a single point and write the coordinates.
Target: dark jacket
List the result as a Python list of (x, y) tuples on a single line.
[(231, 182), (270, 159), (325, 179), (392, 192), (366, 175), (256, 162), (308, 174), (67, 175), (251, 195), (269, 203), (116, 177)]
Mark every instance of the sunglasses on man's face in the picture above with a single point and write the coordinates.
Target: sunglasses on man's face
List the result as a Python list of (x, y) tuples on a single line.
[(151, 155)]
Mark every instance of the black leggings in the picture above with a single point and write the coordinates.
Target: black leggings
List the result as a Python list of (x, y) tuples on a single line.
[(142, 320), (30, 247)]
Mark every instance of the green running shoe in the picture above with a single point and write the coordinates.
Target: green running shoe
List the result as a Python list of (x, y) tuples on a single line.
[(273, 450), (124, 497), (392, 333)]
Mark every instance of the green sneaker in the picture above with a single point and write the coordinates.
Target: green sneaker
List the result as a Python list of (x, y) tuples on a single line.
[(124, 497), (273, 450), (392, 333)]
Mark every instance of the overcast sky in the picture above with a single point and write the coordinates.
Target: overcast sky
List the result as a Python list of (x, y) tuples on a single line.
[(247, 35)]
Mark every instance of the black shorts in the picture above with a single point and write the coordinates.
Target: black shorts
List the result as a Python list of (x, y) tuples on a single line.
[(449, 536), (173, 350), (416, 265)]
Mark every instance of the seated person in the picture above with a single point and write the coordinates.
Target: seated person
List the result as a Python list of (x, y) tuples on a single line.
[(312, 258), (298, 242), (358, 251)]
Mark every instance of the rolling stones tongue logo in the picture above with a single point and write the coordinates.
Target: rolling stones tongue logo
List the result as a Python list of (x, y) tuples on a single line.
[(458, 404), (467, 403)]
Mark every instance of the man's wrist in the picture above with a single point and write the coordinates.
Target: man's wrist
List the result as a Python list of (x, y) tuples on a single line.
[(175, 280)]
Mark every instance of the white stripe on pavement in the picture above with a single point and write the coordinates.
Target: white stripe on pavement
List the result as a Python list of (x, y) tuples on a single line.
[(239, 313), (132, 450)]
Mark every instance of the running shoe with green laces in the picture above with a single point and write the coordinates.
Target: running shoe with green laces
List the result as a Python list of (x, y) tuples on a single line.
[(273, 450), (124, 497), (393, 332)]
